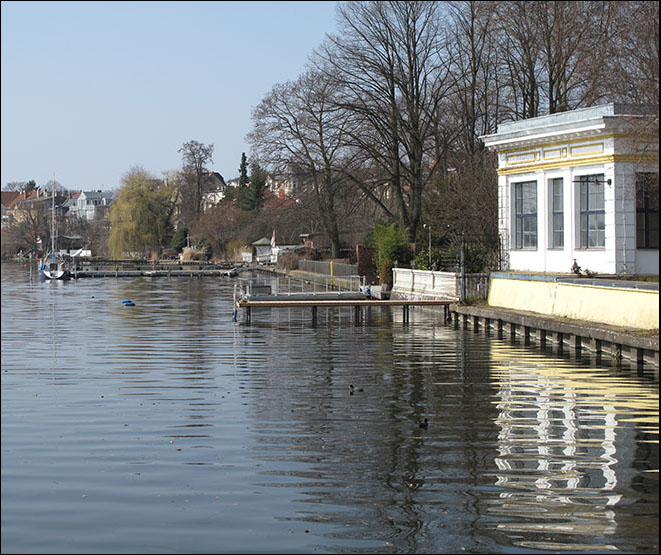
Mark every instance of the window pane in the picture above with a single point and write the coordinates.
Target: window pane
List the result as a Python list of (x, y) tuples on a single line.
[(525, 212), (558, 230), (558, 239), (557, 202), (596, 198), (647, 210), (584, 196), (640, 195), (653, 235), (640, 230)]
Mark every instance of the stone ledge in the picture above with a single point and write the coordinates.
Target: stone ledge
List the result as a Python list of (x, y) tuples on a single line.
[(589, 330)]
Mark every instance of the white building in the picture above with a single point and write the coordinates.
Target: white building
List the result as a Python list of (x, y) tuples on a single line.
[(580, 186), (89, 204), (215, 190)]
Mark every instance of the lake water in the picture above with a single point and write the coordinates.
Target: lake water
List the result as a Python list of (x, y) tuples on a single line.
[(167, 427)]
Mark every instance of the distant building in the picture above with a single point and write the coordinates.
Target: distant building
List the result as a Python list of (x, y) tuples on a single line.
[(282, 187), (263, 249), (8, 199), (30, 202), (580, 189), (215, 188), (89, 204)]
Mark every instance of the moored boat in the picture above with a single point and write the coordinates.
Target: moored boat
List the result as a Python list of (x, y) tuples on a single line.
[(54, 265)]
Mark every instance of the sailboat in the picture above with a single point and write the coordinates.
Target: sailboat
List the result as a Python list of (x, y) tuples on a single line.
[(54, 265)]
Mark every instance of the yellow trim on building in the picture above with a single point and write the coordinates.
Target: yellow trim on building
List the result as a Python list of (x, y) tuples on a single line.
[(571, 162), (553, 153), (567, 142), (521, 158), (578, 150)]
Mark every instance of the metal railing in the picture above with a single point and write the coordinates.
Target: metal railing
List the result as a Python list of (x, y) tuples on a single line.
[(328, 267), (293, 285)]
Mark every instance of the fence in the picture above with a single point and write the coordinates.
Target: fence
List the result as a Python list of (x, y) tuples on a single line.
[(328, 267), (425, 284), (292, 285)]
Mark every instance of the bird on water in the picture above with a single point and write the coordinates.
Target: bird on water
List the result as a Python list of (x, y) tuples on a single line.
[(424, 424)]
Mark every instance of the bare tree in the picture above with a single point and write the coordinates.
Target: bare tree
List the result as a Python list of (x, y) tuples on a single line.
[(298, 128), (520, 58), (555, 54), (471, 62), (386, 59), (632, 64), (195, 157)]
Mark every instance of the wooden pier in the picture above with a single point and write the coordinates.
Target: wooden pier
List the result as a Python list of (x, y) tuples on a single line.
[(357, 304), (148, 272)]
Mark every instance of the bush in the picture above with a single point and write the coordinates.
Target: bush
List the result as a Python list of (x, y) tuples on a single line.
[(391, 244), (180, 239), (189, 254)]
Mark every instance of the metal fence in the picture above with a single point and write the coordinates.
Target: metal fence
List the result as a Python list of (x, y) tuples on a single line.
[(328, 267)]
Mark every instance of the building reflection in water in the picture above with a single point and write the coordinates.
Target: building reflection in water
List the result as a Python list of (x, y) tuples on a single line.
[(566, 442)]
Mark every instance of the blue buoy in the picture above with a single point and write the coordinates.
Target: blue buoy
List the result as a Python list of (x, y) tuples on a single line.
[(128, 302)]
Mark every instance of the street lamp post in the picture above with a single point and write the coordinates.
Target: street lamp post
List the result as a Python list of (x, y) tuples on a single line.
[(429, 228)]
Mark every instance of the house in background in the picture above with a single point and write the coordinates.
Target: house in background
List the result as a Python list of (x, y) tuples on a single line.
[(8, 199), (90, 204), (283, 187), (263, 249), (580, 186), (215, 188)]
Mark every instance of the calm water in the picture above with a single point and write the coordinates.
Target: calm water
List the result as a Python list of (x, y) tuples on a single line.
[(169, 428)]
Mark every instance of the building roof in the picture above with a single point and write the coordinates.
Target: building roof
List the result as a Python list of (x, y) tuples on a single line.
[(97, 195), (577, 123), (8, 197)]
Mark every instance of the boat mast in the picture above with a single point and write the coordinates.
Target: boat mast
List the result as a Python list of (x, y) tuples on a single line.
[(52, 217)]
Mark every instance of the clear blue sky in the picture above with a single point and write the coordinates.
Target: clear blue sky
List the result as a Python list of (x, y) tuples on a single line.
[(90, 89)]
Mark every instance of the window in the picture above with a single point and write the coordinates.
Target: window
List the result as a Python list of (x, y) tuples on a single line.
[(557, 215), (592, 214), (525, 212), (647, 210)]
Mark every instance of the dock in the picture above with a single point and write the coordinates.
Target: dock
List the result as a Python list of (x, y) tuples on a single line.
[(176, 272), (135, 268), (314, 304), (563, 333)]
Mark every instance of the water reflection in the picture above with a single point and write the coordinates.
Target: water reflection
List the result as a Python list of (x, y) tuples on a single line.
[(186, 430), (529, 449), (565, 437)]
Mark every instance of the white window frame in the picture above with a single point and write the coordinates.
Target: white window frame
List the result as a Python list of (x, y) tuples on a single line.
[(524, 221)]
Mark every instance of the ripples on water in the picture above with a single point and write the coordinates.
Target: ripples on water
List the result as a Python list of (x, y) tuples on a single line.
[(169, 428)]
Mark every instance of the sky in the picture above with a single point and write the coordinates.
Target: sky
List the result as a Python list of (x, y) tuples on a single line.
[(91, 89)]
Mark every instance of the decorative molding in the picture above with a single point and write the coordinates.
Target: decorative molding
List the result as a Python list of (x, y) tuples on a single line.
[(554, 153), (587, 149), (568, 163)]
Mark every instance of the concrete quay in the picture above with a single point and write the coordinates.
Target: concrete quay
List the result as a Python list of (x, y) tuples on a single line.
[(641, 347)]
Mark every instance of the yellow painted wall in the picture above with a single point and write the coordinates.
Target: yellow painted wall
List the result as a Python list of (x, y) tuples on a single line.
[(631, 308)]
